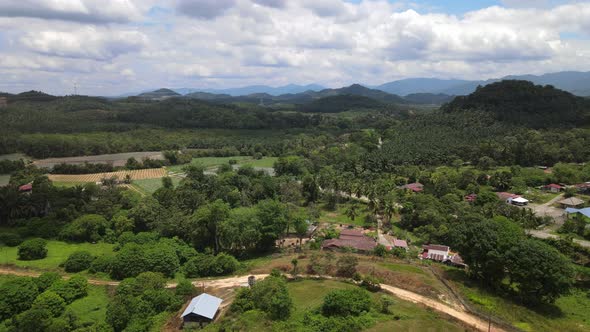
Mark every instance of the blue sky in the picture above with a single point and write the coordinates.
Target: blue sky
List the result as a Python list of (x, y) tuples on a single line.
[(111, 47)]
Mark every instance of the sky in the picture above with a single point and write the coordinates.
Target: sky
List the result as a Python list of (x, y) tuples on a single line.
[(112, 47)]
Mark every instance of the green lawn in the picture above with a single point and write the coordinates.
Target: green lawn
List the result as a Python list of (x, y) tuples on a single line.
[(149, 186), (569, 313), (4, 179), (13, 156), (339, 216), (207, 162), (92, 308), (267, 162), (309, 294), (402, 268), (57, 253)]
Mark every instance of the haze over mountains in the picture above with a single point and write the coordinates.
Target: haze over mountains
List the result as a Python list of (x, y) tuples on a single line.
[(577, 83)]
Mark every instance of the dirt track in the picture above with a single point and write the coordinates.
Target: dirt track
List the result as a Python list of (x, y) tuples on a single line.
[(232, 282)]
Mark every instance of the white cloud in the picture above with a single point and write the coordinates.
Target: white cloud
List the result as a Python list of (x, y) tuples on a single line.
[(88, 43), (85, 11), (241, 42)]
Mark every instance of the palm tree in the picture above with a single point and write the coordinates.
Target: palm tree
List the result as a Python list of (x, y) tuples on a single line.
[(352, 212), (389, 210)]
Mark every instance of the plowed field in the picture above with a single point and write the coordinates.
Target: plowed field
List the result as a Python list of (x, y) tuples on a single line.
[(152, 173)]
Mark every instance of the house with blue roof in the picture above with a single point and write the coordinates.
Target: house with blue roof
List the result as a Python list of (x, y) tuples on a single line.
[(585, 212), (201, 310)]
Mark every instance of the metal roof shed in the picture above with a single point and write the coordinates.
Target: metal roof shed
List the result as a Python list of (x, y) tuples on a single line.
[(201, 309)]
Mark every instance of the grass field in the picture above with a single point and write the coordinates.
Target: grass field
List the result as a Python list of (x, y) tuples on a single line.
[(117, 159), (569, 313), (149, 186), (209, 162), (13, 156), (339, 216), (57, 253), (4, 179), (92, 308)]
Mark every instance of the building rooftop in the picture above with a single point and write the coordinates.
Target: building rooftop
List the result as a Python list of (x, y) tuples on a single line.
[(204, 305)]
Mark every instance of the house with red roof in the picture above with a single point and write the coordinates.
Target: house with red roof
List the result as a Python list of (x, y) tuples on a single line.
[(351, 238), (397, 243), (553, 187), (471, 198), (513, 199), (415, 187), (26, 188)]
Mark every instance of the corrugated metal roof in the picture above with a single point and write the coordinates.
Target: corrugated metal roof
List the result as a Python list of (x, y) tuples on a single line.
[(585, 211), (203, 305)]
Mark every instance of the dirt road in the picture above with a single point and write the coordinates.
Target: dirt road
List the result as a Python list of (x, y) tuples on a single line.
[(233, 282)]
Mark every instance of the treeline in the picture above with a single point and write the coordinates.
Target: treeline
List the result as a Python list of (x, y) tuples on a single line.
[(524, 103)]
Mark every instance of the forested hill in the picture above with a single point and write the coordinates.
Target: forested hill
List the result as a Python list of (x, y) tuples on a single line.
[(523, 103)]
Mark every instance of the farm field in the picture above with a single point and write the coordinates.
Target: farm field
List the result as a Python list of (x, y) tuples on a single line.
[(152, 173), (117, 159), (57, 253)]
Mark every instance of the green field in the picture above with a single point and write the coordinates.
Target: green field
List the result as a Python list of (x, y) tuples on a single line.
[(92, 308), (569, 313), (57, 253), (4, 179), (209, 162), (13, 156), (339, 216), (149, 186)]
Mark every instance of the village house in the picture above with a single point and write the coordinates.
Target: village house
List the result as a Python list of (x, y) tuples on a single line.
[(470, 198), (554, 188), (571, 202), (3, 102), (351, 238), (513, 199), (201, 310), (26, 188), (443, 254), (415, 187), (585, 212), (397, 243), (583, 188)]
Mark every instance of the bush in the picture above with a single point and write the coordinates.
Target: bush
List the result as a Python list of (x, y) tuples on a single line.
[(90, 227), (271, 295), (346, 302), (185, 288), (74, 288), (78, 261), (11, 239), (102, 263), (16, 296), (51, 302), (203, 265), (371, 283), (32, 250), (346, 266), (45, 280)]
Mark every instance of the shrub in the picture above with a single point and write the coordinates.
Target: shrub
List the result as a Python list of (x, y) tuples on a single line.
[(51, 302), (370, 283), (11, 239), (346, 266), (346, 302), (203, 265), (78, 261), (243, 301), (185, 288), (31, 320), (32, 250), (16, 296), (45, 280), (90, 227), (74, 288), (271, 295), (102, 263)]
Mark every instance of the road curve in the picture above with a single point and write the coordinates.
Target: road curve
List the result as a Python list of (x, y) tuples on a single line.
[(232, 282)]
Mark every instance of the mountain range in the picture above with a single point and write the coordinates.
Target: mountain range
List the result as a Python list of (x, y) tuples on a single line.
[(577, 83)]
